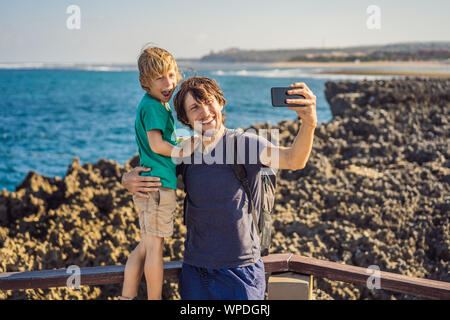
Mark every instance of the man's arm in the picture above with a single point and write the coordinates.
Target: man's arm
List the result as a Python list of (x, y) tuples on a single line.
[(296, 156)]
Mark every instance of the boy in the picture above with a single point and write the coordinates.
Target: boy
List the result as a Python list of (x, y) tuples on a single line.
[(156, 140)]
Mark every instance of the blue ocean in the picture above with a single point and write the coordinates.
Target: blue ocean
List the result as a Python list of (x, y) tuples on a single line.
[(51, 114)]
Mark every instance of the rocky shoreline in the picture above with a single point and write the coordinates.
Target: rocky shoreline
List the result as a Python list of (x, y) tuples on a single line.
[(375, 191)]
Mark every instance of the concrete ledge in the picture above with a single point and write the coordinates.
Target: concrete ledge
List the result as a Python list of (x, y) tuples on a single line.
[(290, 286)]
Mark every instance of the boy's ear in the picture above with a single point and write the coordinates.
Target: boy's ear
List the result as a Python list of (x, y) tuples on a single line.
[(144, 84)]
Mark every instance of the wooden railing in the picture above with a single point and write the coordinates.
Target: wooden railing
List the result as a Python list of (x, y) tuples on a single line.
[(273, 263)]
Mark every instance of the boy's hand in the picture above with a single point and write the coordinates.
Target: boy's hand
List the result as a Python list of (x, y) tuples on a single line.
[(140, 185), (188, 145), (196, 141)]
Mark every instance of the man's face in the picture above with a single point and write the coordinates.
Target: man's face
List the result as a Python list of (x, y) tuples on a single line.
[(163, 87), (204, 117)]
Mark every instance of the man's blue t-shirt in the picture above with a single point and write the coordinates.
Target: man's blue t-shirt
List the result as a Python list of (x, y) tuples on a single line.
[(220, 230)]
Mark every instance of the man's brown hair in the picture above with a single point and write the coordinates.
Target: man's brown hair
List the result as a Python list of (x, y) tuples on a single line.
[(202, 90), (155, 62)]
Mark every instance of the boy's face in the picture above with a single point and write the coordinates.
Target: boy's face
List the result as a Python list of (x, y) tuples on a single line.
[(163, 87), (205, 118)]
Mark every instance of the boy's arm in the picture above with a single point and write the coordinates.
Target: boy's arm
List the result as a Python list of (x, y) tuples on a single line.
[(160, 146), (164, 148)]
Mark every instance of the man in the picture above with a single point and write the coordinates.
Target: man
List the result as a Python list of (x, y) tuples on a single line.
[(222, 257)]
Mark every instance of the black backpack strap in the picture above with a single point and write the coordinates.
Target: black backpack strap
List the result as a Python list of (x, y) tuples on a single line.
[(181, 170), (241, 174)]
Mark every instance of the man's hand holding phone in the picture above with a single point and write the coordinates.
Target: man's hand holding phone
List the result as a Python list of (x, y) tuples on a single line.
[(297, 97)]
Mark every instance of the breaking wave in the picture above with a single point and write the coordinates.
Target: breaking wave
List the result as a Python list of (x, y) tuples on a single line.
[(297, 73)]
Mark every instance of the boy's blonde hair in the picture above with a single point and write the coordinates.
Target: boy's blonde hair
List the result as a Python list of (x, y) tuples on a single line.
[(153, 63)]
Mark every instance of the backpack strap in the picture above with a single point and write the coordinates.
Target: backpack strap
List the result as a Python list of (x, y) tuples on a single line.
[(241, 174), (181, 170)]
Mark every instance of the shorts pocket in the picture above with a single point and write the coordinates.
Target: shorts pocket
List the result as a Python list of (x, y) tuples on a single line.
[(155, 197), (168, 198), (143, 204)]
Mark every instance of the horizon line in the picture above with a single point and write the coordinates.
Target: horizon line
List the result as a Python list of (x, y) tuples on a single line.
[(224, 49)]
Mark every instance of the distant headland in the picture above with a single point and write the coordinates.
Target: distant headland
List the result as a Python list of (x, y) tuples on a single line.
[(411, 51)]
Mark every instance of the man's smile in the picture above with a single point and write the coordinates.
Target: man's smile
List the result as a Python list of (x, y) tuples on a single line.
[(209, 119)]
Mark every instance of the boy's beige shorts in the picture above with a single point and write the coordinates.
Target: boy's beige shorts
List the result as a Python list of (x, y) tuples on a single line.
[(156, 213)]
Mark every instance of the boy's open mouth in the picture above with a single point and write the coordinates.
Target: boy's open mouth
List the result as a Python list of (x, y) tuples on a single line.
[(166, 93)]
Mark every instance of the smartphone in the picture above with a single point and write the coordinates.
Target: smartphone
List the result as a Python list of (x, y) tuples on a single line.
[(279, 96)]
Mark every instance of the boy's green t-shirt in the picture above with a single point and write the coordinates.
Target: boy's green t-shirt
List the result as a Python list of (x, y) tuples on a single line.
[(151, 114)]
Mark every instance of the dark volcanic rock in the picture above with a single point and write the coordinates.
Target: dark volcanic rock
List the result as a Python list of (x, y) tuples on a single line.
[(375, 191)]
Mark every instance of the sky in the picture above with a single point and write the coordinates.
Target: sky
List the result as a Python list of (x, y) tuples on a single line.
[(113, 31)]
